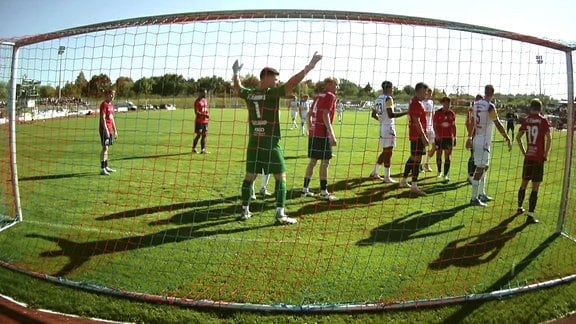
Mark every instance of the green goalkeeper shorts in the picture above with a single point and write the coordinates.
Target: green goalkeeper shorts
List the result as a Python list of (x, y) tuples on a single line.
[(270, 160)]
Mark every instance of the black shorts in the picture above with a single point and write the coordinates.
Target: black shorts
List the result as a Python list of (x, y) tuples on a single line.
[(106, 141), (443, 143), (319, 148), (509, 125), (533, 170), (200, 128), (417, 148)]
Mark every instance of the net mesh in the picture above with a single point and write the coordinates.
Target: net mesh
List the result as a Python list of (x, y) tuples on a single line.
[(166, 223)]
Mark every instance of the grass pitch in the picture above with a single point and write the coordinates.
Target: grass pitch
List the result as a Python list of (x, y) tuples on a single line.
[(166, 223)]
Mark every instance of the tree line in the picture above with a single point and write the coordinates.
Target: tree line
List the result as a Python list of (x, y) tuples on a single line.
[(173, 85)]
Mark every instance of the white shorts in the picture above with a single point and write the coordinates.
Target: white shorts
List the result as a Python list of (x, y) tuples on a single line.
[(481, 148), (303, 115), (293, 113), (431, 136), (387, 137)]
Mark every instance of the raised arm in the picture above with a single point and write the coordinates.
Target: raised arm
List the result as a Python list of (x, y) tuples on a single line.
[(296, 79), (236, 77)]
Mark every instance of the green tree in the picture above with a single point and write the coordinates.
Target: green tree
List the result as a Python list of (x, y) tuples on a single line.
[(124, 87), (70, 90), (169, 85), (191, 87), (3, 90), (143, 86), (98, 84), (213, 84), (348, 89), (409, 90), (250, 81), (47, 91), (81, 84)]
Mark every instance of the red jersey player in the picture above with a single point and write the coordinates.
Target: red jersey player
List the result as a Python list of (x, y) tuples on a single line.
[(444, 122), (321, 137), (201, 122), (539, 141), (107, 129), (418, 139)]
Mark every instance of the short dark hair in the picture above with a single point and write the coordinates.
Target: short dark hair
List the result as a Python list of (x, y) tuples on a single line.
[(536, 104), (268, 71), (489, 89), (421, 85), (386, 85)]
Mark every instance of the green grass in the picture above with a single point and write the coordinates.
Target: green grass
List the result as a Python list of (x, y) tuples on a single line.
[(165, 224)]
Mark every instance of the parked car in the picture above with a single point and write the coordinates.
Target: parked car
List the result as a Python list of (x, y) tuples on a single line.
[(167, 106), (125, 106), (147, 107)]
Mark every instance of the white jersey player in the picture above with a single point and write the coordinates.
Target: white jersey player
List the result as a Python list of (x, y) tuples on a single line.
[(428, 104), (484, 118), (294, 104), (384, 112), (304, 108)]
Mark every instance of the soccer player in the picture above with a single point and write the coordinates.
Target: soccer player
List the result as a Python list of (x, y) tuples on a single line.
[(201, 122), (511, 119), (429, 108), (471, 130), (445, 130), (304, 107), (107, 130), (294, 108), (340, 111), (539, 141), (483, 119), (384, 112), (264, 151), (321, 137), (263, 187), (418, 139)]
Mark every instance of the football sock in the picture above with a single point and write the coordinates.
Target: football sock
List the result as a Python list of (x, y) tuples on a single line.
[(521, 195), (324, 185), (475, 185), (247, 191), (280, 189), (532, 201), (306, 182), (408, 167)]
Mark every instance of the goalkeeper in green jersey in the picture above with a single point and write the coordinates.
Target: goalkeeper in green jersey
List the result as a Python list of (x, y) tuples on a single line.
[(264, 152)]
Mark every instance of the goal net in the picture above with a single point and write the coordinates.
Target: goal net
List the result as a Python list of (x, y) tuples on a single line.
[(165, 226)]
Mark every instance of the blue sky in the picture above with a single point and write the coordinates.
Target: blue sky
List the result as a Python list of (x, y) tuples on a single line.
[(553, 19), (511, 66)]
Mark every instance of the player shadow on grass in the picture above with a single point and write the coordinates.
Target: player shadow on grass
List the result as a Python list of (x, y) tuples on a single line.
[(79, 253), (57, 176), (229, 202), (478, 249), (406, 227), (153, 156), (504, 281), (362, 191), (431, 188), (314, 205)]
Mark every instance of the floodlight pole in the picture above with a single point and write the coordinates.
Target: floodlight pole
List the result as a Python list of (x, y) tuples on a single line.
[(539, 60), (61, 50)]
